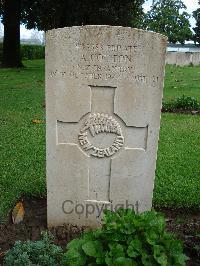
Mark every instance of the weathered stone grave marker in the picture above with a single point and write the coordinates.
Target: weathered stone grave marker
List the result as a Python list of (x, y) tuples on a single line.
[(103, 93)]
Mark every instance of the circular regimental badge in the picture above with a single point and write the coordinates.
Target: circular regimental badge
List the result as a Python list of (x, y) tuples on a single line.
[(96, 124)]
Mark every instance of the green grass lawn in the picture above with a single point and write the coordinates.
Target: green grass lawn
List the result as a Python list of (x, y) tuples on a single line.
[(23, 142), (178, 165), (182, 81), (22, 146)]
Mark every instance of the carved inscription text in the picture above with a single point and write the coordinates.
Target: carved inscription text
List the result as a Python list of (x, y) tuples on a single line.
[(93, 61)]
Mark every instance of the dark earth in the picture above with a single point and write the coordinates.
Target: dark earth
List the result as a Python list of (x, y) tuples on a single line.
[(185, 223), (181, 111)]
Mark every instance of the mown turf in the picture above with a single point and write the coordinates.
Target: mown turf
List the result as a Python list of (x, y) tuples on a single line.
[(22, 143), (182, 81), (22, 147), (178, 165)]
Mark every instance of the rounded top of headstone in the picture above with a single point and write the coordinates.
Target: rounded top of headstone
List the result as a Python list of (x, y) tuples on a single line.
[(107, 27)]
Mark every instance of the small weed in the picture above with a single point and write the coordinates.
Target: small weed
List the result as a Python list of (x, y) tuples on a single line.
[(41, 253)]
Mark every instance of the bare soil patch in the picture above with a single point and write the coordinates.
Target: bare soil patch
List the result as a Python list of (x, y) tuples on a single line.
[(181, 111)]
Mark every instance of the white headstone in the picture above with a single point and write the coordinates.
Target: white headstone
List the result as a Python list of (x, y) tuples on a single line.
[(183, 59), (196, 59), (103, 96), (171, 58)]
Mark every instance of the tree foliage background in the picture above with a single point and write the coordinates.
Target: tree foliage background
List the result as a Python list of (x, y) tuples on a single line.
[(196, 15), (48, 14), (169, 18)]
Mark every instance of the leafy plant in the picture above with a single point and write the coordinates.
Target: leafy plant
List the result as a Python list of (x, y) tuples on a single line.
[(40, 253), (183, 102), (127, 239), (186, 102)]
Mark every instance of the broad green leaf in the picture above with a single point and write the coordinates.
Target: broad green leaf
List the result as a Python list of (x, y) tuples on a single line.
[(180, 260), (136, 244), (128, 228), (75, 258), (101, 260), (124, 262), (152, 237), (132, 252), (134, 248), (162, 260), (159, 255), (116, 250), (109, 261), (93, 248), (75, 244), (174, 246), (89, 235), (148, 260)]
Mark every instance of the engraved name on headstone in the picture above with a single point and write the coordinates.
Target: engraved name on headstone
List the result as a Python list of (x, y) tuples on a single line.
[(103, 96)]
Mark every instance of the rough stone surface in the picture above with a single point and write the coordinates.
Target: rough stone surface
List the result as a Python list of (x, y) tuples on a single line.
[(171, 58), (196, 59), (183, 59), (103, 99)]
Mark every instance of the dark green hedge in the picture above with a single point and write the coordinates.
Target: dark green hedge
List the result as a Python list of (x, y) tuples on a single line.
[(28, 52), (1, 51)]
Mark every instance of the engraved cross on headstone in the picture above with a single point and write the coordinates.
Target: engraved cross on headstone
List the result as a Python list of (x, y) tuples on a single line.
[(103, 106), (102, 135)]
